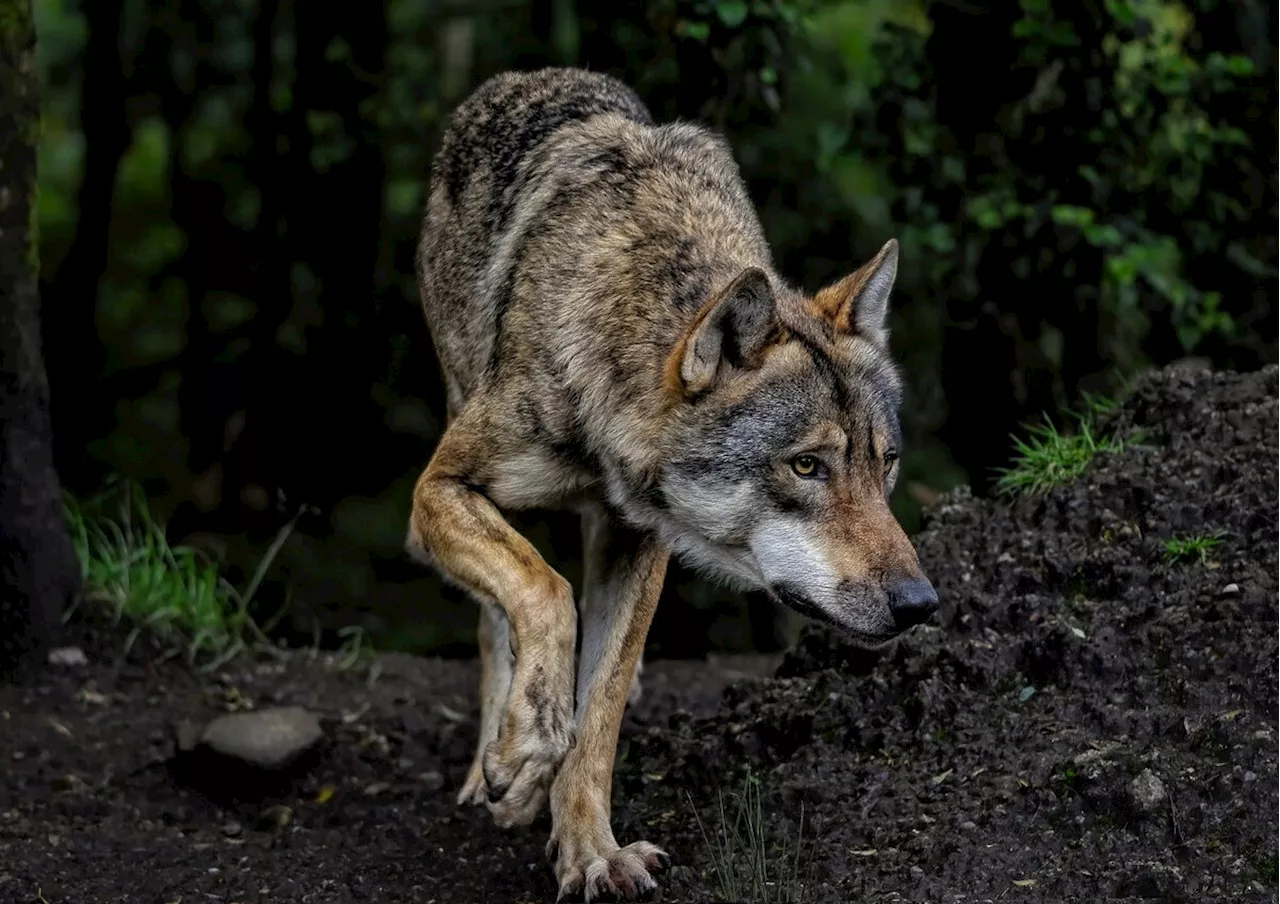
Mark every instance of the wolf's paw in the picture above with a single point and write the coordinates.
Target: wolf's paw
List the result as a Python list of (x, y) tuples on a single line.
[(520, 764), (621, 874)]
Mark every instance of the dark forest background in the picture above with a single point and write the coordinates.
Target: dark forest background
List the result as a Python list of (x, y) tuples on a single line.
[(230, 193)]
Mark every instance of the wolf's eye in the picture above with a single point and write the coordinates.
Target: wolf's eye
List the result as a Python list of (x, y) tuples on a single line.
[(807, 466), (890, 459)]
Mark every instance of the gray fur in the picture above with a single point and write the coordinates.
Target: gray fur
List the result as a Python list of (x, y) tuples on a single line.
[(568, 246), (615, 339)]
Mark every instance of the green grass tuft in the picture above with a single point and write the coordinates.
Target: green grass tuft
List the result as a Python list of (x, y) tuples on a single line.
[(1048, 458), (1192, 548), (748, 866), (1268, 869), (172, 592)]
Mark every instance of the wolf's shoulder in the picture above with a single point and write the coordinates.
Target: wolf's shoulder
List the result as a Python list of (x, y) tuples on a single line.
[(512, 113)]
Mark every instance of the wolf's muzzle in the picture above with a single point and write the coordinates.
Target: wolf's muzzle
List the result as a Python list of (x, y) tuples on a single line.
[(912, 602)]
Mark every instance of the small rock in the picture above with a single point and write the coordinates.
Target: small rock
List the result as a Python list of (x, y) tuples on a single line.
[(917, 872), (69, 783), (431, 781), (67, 656), (276, 816), (681, 874), (188, 736), (1100, 751), (267, 738), (968, 826), (232, 829), (1231, 590), (377, 788), (1147, 790)]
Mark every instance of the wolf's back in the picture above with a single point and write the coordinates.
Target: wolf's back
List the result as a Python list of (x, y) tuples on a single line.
[(495, 129), (479, 180)]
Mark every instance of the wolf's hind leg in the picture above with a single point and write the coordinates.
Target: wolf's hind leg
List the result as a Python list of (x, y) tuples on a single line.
[(496, 662), (475, 547), (622, 580)]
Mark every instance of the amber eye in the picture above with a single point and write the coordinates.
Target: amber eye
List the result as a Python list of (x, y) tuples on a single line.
[(805, 465)]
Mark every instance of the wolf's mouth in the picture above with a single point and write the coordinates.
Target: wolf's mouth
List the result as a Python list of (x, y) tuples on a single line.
[(800, 603)]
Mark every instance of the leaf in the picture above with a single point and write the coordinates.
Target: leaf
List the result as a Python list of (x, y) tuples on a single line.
[(1071, 215), (1024, 883), (1122, 11), (732, 12), (1122, 269), (698, 31), (1103, 235), (1238, 64)]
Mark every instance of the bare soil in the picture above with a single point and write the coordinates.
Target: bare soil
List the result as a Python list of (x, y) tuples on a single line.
[(1086, 721)]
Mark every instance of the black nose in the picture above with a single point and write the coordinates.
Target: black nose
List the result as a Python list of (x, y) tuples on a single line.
[(912, 601)]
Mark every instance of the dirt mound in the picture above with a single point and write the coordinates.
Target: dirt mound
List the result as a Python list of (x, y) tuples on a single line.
[(1087, 722), (1090, 720)]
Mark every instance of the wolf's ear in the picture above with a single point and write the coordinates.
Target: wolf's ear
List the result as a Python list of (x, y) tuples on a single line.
[(736, 327), (858, 303)]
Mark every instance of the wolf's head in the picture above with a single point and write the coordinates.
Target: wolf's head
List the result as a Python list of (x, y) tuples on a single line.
[(785, 446)]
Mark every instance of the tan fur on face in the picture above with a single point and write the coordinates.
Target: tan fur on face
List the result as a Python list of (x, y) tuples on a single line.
[(837, 304)]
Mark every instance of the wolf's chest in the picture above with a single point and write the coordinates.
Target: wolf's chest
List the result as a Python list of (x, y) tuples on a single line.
[(541, 478)]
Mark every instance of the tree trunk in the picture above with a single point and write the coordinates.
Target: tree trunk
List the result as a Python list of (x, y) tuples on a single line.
[(38, 569), (76, 356)]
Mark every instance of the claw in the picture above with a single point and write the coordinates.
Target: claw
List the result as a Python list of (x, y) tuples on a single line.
[(473, 789), (625, 874)]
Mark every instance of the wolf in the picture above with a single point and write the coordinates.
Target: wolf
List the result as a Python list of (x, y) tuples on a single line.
[(615, 341)]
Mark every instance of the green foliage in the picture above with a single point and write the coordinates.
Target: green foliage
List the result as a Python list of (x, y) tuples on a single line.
[(175, 594), (750, 865), (1268, 869), (1156, 133), (1191, 548), (170, 592), (1048, 457)]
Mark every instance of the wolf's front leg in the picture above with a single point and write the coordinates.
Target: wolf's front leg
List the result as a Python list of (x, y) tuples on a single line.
[(494, 641), (475, 547), (622, 579)]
